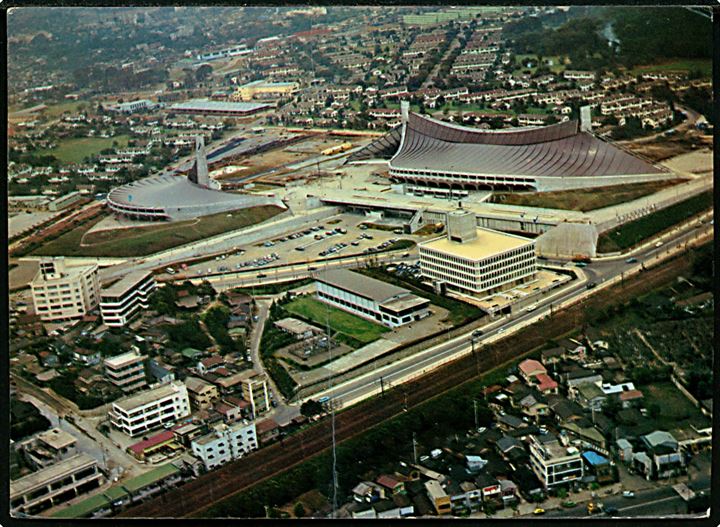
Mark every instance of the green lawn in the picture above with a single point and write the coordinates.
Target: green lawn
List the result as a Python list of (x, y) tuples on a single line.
[(75, 150), (704, 65), (582, 200), (340, 321), (141, 241), (636, 231), (56, 110)]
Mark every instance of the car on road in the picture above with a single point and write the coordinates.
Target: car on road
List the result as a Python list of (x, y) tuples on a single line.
[(501, 330), (568, 504), (631, 260), (538, 511), (658, 244), (610, 511), (261, 275), (580, 264), (591, 285), (628, 494)]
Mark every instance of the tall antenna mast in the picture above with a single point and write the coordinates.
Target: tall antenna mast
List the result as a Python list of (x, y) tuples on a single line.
[(332, 411)]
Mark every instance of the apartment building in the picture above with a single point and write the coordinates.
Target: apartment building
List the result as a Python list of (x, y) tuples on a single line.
[(150, 409), (225, 443), (255, 391), (126, 371), (553, 463), (476, 260), (123, 299), (201, 393), (54, 485), (64, 292)]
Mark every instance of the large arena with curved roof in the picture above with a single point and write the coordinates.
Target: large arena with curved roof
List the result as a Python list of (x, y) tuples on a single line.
[(556, 157), (172, 198)]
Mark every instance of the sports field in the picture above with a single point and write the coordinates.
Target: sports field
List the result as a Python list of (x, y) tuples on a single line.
[(340, 321), (76, 150)]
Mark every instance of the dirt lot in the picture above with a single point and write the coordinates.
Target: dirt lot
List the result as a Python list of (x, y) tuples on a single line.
[(666, 147)]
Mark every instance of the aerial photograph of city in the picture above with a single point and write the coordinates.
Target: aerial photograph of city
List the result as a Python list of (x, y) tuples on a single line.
[(360, 262)]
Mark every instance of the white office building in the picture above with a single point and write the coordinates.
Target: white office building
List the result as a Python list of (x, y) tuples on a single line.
[(126, 371), (225, 443), (150, 409), (553, 463), (123, 299), (369, 298), (64, 292), (475, 260)]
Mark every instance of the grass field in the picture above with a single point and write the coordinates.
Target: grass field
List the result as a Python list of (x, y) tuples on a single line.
[(636, 231), (583, 200), (56, 110), (75, 150), (340, 321), (558, 65), (704, 65), (142, 241)]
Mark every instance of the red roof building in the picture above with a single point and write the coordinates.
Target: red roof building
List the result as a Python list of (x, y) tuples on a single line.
[(530, 368), (546, 384)]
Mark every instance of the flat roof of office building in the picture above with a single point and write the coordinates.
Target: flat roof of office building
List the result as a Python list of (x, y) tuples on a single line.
[(361, 285), (146, 397), (488, 243), (125, 284), (41, 477), (218, 106)]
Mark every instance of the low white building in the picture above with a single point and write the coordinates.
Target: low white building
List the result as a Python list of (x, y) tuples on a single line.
[(150, 409), (123, 299), (225, 443), (64, 292), (476, 260), (369, 298)]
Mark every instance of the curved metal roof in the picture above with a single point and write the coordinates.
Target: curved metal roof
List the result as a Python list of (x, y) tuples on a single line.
[(176, 192), (558, 150)]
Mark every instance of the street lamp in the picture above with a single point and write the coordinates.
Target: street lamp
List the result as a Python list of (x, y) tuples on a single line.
[(473, 338)]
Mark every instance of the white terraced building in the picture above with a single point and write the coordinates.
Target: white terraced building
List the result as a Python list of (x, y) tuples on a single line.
[(64, 292), (475, 260), (126, 371), (225, 443), (122, 300), (150, 409)]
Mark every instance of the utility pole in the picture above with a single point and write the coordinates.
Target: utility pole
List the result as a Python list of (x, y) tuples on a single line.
[(382, 387), (475, 411), (414, 443)]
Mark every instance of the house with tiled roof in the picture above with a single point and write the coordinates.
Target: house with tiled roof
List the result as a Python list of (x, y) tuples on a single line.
[(530, 368)]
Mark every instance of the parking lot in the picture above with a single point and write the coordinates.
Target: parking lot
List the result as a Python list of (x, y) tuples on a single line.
[(340, 235)]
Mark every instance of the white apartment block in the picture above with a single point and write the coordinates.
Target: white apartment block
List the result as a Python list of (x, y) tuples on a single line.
[(122, 300), (225, 443), (476, 260), (150, 409), (255, 391), (54, 485), (126, 371), (63, 292), (553, 463)]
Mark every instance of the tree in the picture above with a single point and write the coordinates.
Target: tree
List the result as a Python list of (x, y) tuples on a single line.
[(299, 510), (310, 408)]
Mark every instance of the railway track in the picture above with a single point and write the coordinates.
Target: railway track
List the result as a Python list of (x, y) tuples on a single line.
[(195, 497)]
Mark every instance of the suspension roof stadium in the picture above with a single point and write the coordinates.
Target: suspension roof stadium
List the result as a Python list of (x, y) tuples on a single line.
[(425, 151)]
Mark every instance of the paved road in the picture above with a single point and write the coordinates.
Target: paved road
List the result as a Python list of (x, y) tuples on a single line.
[(650, 503)]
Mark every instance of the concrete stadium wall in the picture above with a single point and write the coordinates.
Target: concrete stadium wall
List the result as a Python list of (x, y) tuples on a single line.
[(611, 217), (548, 184), (569, 239)]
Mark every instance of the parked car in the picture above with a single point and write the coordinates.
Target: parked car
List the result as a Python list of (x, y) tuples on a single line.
[(538, 511), (631, 260), (628, 494)]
